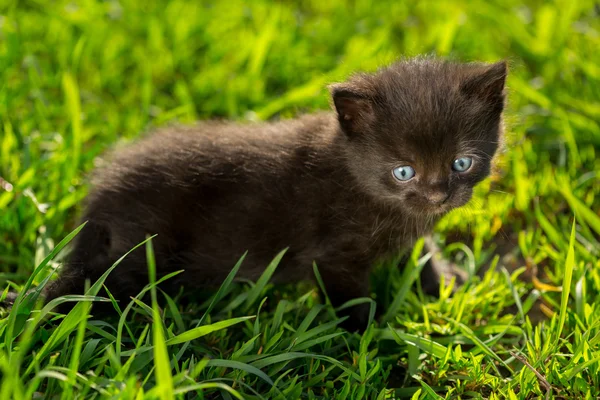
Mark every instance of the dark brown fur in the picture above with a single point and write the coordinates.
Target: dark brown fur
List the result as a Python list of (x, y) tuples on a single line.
[(320, 185)]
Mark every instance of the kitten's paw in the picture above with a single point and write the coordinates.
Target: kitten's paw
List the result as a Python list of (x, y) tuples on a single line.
[(10, 299)]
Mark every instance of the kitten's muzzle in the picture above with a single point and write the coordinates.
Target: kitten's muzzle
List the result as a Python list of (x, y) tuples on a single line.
[(437, 197)]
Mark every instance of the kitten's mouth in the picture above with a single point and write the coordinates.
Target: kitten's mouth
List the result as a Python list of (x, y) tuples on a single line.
[(430, 210), (440, 209), (436, 209), (422, 208)]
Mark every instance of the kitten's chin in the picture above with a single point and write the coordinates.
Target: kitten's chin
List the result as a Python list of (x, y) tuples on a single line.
[(424, 212), (433, 211)]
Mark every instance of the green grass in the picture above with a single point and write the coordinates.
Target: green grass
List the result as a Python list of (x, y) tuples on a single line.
[(77, 78)]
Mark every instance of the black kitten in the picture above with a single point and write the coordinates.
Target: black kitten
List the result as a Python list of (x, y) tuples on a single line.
[(406, 145)]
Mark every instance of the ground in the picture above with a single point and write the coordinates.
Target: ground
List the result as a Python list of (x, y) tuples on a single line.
[(79, 77)]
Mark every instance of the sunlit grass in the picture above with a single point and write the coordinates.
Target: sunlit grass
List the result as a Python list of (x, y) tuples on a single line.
[(77, 78)]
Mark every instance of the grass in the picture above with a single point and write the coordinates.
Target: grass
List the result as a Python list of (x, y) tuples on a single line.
[(77, 78)]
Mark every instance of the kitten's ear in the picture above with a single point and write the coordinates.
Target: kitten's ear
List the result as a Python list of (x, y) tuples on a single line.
[(353, 106), (487, 85)]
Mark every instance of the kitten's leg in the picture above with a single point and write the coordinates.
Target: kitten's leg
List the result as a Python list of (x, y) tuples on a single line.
[(122, 285), (437, 267), (89, 259), (90, 248), (343, 285)]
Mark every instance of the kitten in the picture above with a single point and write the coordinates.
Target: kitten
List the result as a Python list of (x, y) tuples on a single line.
[(344, 189)]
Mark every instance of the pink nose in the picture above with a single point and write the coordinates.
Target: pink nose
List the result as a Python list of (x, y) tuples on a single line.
[(437, 197)]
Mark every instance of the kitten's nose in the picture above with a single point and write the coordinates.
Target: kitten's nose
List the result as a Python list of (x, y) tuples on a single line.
[(437, 196)]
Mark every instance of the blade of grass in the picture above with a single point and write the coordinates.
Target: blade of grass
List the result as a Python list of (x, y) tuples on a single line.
[(208, 385), (200, 331), (162, 364), (8, 338), (257, 289), (242, 367), (566, 285), (409, 276), (216, 298), (426, 345)]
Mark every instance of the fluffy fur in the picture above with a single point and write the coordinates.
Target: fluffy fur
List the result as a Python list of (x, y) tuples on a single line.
[(320, 185)]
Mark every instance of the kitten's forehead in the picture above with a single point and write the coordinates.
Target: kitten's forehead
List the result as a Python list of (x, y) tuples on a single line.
[(434, 138), (425, 150), (426, 110), (426, 130), (426, 87), (437, 143)]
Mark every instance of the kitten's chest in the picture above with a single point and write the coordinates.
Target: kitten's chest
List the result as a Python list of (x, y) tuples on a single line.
[(388, 234), (381, 232)]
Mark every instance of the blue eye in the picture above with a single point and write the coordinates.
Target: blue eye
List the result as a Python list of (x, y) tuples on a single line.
[(462, 164), (403, 173)]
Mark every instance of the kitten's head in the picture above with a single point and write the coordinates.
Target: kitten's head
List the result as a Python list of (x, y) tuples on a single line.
[(421, 133)]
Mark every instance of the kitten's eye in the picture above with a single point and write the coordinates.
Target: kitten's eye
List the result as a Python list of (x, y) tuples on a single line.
[(404, 173), (462, 164)]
